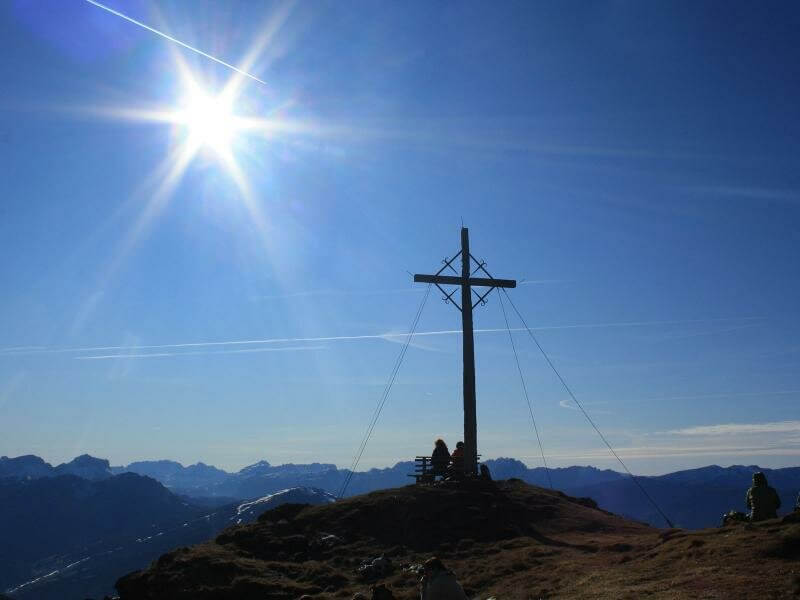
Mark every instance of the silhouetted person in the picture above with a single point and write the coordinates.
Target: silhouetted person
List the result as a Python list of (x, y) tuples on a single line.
[(438, 583), (458, 459), (762, 500), (440, 459)]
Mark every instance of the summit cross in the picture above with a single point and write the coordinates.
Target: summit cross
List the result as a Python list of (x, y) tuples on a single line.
[(466, 283)]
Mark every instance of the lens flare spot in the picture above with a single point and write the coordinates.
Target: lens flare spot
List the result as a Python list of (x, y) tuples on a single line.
[(209, 122)]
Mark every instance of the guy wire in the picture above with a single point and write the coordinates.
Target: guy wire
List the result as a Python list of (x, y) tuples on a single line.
[(585, 414), (525, 391), (384, 397)]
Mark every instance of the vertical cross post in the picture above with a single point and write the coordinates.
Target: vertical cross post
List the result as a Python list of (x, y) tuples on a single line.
[(470, 416), (467, 282)]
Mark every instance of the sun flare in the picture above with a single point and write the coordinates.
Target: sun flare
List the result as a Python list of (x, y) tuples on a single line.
[(209, 122)]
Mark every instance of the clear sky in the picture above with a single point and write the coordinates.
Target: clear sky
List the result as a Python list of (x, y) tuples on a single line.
[(635, 163)]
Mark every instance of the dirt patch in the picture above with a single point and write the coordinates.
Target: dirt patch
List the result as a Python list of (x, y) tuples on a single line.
[(785, 547)]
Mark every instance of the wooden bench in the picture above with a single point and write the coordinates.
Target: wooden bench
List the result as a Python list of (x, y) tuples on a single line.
[(423, 469)]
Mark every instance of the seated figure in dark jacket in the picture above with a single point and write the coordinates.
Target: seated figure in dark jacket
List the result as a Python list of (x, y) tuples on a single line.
[(762, 499), (440, 459), (439, 583)]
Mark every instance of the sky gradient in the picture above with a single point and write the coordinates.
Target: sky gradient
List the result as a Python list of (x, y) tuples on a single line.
[(634, 165)]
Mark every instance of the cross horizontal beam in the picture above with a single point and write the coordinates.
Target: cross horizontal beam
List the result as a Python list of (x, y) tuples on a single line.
[(472, 281)]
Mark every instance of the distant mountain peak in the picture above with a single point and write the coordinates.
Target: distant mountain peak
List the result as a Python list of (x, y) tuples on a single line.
[(259, 466), (86, 467), (27, 466), (88, 459)]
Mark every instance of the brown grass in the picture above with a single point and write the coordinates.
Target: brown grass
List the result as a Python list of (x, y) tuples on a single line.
[(508, 540)]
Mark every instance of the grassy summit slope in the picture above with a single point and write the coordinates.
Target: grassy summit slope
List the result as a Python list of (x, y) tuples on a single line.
[(507, 539)]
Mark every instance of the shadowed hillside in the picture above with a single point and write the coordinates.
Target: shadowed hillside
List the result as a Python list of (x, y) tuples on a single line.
[(511, 540), (49, 522), (90, 569)]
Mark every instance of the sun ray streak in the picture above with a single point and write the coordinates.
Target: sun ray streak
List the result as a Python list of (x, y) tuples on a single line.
[(175, 41), (159, 188), (271, 29), (157, 201)]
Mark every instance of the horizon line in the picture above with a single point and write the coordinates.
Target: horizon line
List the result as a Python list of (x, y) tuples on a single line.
[(387, 466)]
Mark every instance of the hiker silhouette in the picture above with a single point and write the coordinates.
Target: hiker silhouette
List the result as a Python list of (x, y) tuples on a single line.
[(762, 499), (440, 459), (438, 583), (458, 458)]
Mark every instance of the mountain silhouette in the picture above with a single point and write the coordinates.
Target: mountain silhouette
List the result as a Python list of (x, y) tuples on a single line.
[(692, 498), (47, 519), (121, 524), (33, 467), (24, 467), (86, 467)]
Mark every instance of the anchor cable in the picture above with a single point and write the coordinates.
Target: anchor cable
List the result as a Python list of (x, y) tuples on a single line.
[(585, 414), (384, 397), (525, 391)]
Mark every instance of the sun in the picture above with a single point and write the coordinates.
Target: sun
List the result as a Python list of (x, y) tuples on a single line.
[(209, 122)]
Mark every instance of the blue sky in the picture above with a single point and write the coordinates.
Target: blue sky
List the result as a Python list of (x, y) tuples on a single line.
[(635, 163)]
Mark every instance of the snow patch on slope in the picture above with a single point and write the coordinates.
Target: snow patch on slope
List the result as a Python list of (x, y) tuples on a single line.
[(250, 510)]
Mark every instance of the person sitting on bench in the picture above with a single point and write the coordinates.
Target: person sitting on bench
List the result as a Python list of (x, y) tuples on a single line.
[(440, 459), (457, 457), (762, 499)]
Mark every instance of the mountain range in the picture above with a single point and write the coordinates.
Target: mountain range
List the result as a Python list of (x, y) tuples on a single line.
[(33, 467), (67, 536), (693, 498), (73, 528)]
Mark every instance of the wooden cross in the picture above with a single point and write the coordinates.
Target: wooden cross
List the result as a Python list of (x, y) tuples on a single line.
[(466, 282)]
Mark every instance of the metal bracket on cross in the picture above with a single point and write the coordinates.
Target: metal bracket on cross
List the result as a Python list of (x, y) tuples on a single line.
[(489, 281)]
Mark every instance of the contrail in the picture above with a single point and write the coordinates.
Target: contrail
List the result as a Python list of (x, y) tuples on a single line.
[(175, 41), (341, 293), (201, 352), (340, 338)]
